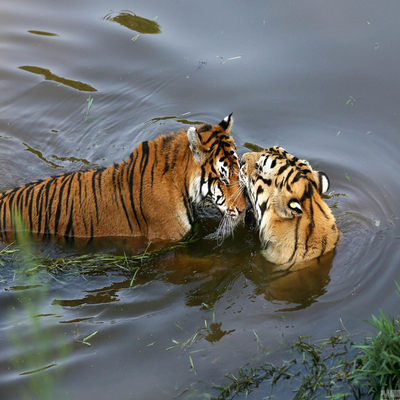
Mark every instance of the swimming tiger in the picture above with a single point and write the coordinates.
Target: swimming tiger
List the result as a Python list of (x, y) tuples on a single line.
[(152, 194), (295, 224)]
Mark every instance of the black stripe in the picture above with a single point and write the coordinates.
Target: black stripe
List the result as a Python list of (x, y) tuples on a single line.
[(202, 176), (94, 194), (311, 227), (18, 200), (260, 190), (296, 239), (322, 211), (154, 163), (80, 188), (39, 205), (175, 157), (28, 191), (60, 198), (5, 219), (210, 181), (46, 207), (69, 231), (165, 147), (266, 181), (186, 202), (11, 205), (263, 207), (143, 165), (50, 206), (287, 180), (308, 192), (212, 136), (297, 177), (204, 128), (130, 184), (1, 219), (114, 185), (100, 173), (283, 168), (29, 204), (323, 247), (69, 191)]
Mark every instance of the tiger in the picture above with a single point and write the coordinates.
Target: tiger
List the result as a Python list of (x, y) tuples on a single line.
[(295, 224), (152, 194)]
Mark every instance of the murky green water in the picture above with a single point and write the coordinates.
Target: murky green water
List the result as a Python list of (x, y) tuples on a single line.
[(83, 83)]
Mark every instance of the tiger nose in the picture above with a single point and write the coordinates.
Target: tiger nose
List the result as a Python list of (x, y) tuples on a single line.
[(234, 212), (240, 210)]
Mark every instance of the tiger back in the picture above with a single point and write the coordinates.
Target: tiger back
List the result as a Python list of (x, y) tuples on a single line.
[(151, 195), (295, 224)]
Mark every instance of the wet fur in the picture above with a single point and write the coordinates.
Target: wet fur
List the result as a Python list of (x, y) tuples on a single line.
[(295, 224), (149, 195)]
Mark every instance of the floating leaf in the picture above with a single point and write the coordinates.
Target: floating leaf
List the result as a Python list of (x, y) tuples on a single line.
[(351, 101), (85, 340), (191, 362)]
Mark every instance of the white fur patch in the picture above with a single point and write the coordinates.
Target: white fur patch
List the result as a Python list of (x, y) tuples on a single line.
[(264, 164), (194, 143), (195, 190), (324, 183), (223, 170)]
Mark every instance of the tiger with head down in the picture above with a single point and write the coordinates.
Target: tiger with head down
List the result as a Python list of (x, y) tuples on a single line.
[(150, 195), (295, 224)]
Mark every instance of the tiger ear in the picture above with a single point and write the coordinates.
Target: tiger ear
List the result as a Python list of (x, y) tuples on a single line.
[(323, 182), (227, 123), (195, 144)]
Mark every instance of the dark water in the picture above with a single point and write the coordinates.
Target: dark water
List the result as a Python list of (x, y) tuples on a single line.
[(82, 83)]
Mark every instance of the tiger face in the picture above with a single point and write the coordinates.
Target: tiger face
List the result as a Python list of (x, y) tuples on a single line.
[(217, 181), (295, 224)]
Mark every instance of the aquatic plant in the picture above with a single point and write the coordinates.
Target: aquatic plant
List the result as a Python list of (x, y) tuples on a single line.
[(379, 365)]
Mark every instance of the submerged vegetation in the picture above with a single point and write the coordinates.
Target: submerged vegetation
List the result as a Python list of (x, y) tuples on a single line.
[(89, 262)]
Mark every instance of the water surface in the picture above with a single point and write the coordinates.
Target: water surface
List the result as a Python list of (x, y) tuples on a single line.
[(83, 83)]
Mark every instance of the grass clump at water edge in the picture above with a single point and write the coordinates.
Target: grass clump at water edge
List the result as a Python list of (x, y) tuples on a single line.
[(380, 360)]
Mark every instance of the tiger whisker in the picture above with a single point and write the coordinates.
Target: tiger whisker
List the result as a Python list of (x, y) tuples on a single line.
[(225, 229), (235, 195)]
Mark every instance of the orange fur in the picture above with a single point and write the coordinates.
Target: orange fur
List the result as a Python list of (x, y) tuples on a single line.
[(295, 224), (149, 195)]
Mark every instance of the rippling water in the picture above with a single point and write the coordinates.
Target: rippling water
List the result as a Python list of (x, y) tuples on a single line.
[(83, 83)]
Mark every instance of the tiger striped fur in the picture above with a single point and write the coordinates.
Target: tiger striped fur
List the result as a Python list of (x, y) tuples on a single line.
[(295, 224), (151, 194)]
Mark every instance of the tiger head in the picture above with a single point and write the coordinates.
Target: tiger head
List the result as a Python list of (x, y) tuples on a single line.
[(216, 176), (295, 224)]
